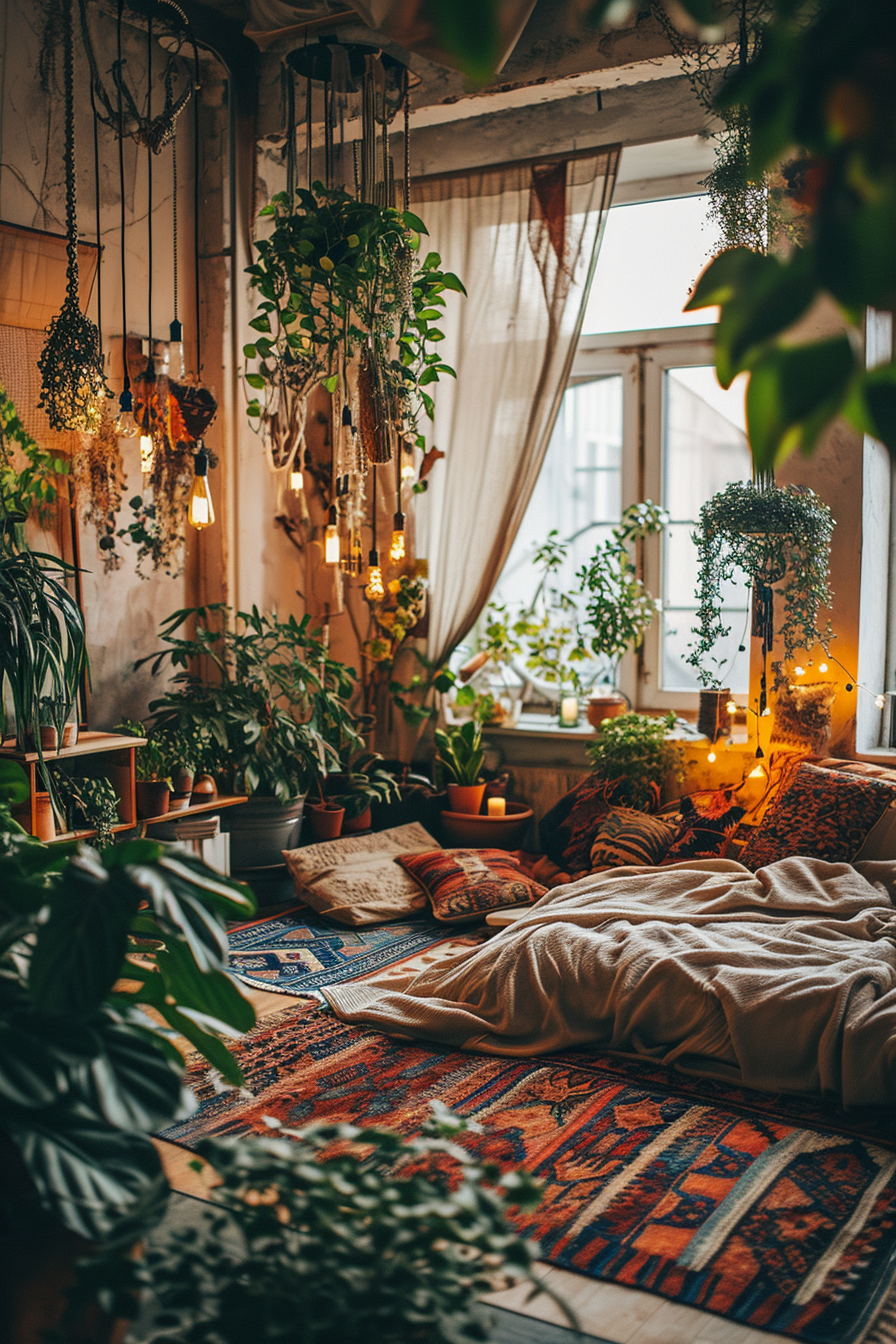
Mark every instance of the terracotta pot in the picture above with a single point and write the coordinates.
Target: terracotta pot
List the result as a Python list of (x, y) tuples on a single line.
[(153, 797), (351, 825), (178, 801), (44, 821), (70, 735), (48, 738), (326, 822), (484, 832), (183, 780), (466, 798), (204, 789), (607, 706)]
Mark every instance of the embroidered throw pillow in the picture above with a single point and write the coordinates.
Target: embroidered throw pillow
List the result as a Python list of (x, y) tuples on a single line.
[(567, 831), (464, 884), (708, 821), (824, 814), (356, 880), (629, 837)]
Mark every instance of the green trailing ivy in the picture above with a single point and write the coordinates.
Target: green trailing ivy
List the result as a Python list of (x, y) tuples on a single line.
[(88, 801), (779, 537)]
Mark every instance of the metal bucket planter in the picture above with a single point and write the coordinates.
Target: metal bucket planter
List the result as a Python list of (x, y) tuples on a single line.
[(261, 829)]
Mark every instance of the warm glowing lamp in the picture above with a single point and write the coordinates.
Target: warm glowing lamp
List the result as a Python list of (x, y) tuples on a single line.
[(201, 512), (146, 454), (331, 538), (758, 772), (408, 470), (799, 671), (397, 548), (125, 424), (711, 757), (731, 707), (822, 667), (375, 591), (296, 478)]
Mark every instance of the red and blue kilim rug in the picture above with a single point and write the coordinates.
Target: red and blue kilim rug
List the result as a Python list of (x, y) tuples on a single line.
[(759, 1209)]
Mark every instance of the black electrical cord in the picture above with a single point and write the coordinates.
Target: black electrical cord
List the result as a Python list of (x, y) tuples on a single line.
[(196, 229), (124, 305)]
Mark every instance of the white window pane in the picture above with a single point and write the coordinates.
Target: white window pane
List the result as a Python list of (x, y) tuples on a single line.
[(651, 254), (704, 449)]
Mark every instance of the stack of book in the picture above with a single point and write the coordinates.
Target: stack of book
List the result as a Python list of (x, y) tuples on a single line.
[(204, 826)]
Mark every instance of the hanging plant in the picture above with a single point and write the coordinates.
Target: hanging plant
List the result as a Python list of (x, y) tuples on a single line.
[(780, 538), (30, 487), (340, 283)]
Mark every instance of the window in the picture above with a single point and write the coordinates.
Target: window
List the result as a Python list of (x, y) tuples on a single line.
[(644, 418)]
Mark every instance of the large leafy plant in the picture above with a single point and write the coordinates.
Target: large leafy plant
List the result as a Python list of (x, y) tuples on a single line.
[(638, 748), (339, 1233), (460, 752), (340, 278), (780, 538), (258, 696), (88, 943), (619, 608)]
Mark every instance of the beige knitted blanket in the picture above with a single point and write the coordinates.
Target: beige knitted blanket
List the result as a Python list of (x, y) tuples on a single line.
[(784, 979)]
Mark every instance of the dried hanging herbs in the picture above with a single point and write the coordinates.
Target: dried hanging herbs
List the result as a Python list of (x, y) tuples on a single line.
[(98, 474)]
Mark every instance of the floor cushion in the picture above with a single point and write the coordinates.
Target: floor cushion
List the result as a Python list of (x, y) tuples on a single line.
[(567, 831), (707, 823), (626, 836), (356, 880), (463, 884)]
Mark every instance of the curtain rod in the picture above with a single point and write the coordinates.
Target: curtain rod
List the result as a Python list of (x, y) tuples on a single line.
[(531, 162)]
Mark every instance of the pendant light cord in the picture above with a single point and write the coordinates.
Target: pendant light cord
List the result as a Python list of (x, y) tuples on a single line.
[(124, 304), (196, 230), (174, 216), (99, 237), (149, 175)]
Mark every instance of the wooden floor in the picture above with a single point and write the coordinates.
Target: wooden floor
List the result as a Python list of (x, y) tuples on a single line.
[(605, 1311)]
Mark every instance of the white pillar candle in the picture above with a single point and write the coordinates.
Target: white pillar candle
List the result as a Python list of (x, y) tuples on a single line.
[(569, 711), (497, 807)]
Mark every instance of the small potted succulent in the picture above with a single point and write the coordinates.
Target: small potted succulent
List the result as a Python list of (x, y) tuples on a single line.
[(461, 756)]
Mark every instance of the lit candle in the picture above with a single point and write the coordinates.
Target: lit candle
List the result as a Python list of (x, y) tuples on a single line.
[(569, 711), (497, 807)]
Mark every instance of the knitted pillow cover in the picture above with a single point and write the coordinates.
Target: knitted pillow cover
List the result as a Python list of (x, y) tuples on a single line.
[(463, 884)]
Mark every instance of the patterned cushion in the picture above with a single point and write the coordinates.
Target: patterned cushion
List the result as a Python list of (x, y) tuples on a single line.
[(464, 884), (566, 832), (356, 879), (629, 837), (824, 814), (708, 821)]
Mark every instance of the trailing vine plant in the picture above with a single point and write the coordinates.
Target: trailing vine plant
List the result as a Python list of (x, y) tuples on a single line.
[(780, 538), (33, 487)]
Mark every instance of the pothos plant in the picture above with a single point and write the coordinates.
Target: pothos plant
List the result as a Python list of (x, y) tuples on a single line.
[(780, 538), (341, 279)]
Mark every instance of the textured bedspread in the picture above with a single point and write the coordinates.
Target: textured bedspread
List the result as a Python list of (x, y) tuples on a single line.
[(784, 979)]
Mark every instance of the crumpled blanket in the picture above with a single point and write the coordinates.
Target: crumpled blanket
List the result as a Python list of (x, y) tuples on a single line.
[(783, 979)]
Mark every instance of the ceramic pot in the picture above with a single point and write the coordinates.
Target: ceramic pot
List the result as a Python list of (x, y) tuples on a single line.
[(606, 706), (178, 801), (326, 822), (48, 738), (485, 832), (183, 780), (204, 789), (153, 797), (70, 735), (466, 798), (44, 822), (351, 825), (260, 830)]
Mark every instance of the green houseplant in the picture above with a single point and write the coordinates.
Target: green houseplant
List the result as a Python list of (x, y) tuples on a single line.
[(89, 801), (339, 1233), (260, 697), (780, 538), (85, 1074), (638, 748), (460, 757)]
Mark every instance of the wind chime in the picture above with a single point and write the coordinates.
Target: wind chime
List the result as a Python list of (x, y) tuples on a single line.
[(346, 83)]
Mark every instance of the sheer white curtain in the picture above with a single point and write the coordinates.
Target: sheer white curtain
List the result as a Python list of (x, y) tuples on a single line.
[(524, 240)]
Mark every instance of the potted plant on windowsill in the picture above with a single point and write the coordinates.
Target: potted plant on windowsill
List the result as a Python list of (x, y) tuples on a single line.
[(779, 537), (260, 716), (461, 757), (640, 749)]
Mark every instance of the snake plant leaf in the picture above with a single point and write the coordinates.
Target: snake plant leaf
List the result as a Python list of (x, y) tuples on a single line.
[(89, 1174), (793, 394), (81, 946)]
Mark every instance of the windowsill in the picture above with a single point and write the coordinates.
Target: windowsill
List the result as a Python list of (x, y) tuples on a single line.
[(878, 756)]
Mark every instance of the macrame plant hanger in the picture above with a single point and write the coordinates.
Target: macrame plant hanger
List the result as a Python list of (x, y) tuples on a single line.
[(73, 385)]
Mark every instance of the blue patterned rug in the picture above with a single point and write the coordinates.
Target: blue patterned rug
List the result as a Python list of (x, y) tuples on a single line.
[(297, 951)]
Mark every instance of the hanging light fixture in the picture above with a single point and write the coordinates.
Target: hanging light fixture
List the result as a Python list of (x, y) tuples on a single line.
[(375, 591), (125, 424), (147, 454), (201, 512), (331, 538), (397, 550), (296, 474)]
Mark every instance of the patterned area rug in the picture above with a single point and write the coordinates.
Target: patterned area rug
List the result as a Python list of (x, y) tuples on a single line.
[(723, 1204), (297, 951)]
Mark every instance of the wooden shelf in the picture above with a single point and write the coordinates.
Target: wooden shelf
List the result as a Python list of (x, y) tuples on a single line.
[(88, 835), (87, 745), (224, 800)]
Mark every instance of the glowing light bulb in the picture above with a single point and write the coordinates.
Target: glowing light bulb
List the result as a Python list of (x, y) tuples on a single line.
[(201, 512), (175, 350), (758, 772), (146, 454), (799, 671), (879, 701), (125, 424), (822, 667), (296, 479), (375, 591), (731, 707), (408, 470), (766, 713), (397, 548), (711, 757), (331, 539)]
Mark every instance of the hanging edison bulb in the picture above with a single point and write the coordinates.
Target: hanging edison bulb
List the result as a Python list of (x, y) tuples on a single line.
[(375, 591), (355, 552), (176, 351), (125, 424), (296, 475), (201, 511), (147, 453), (397, 550), (331, 538)]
